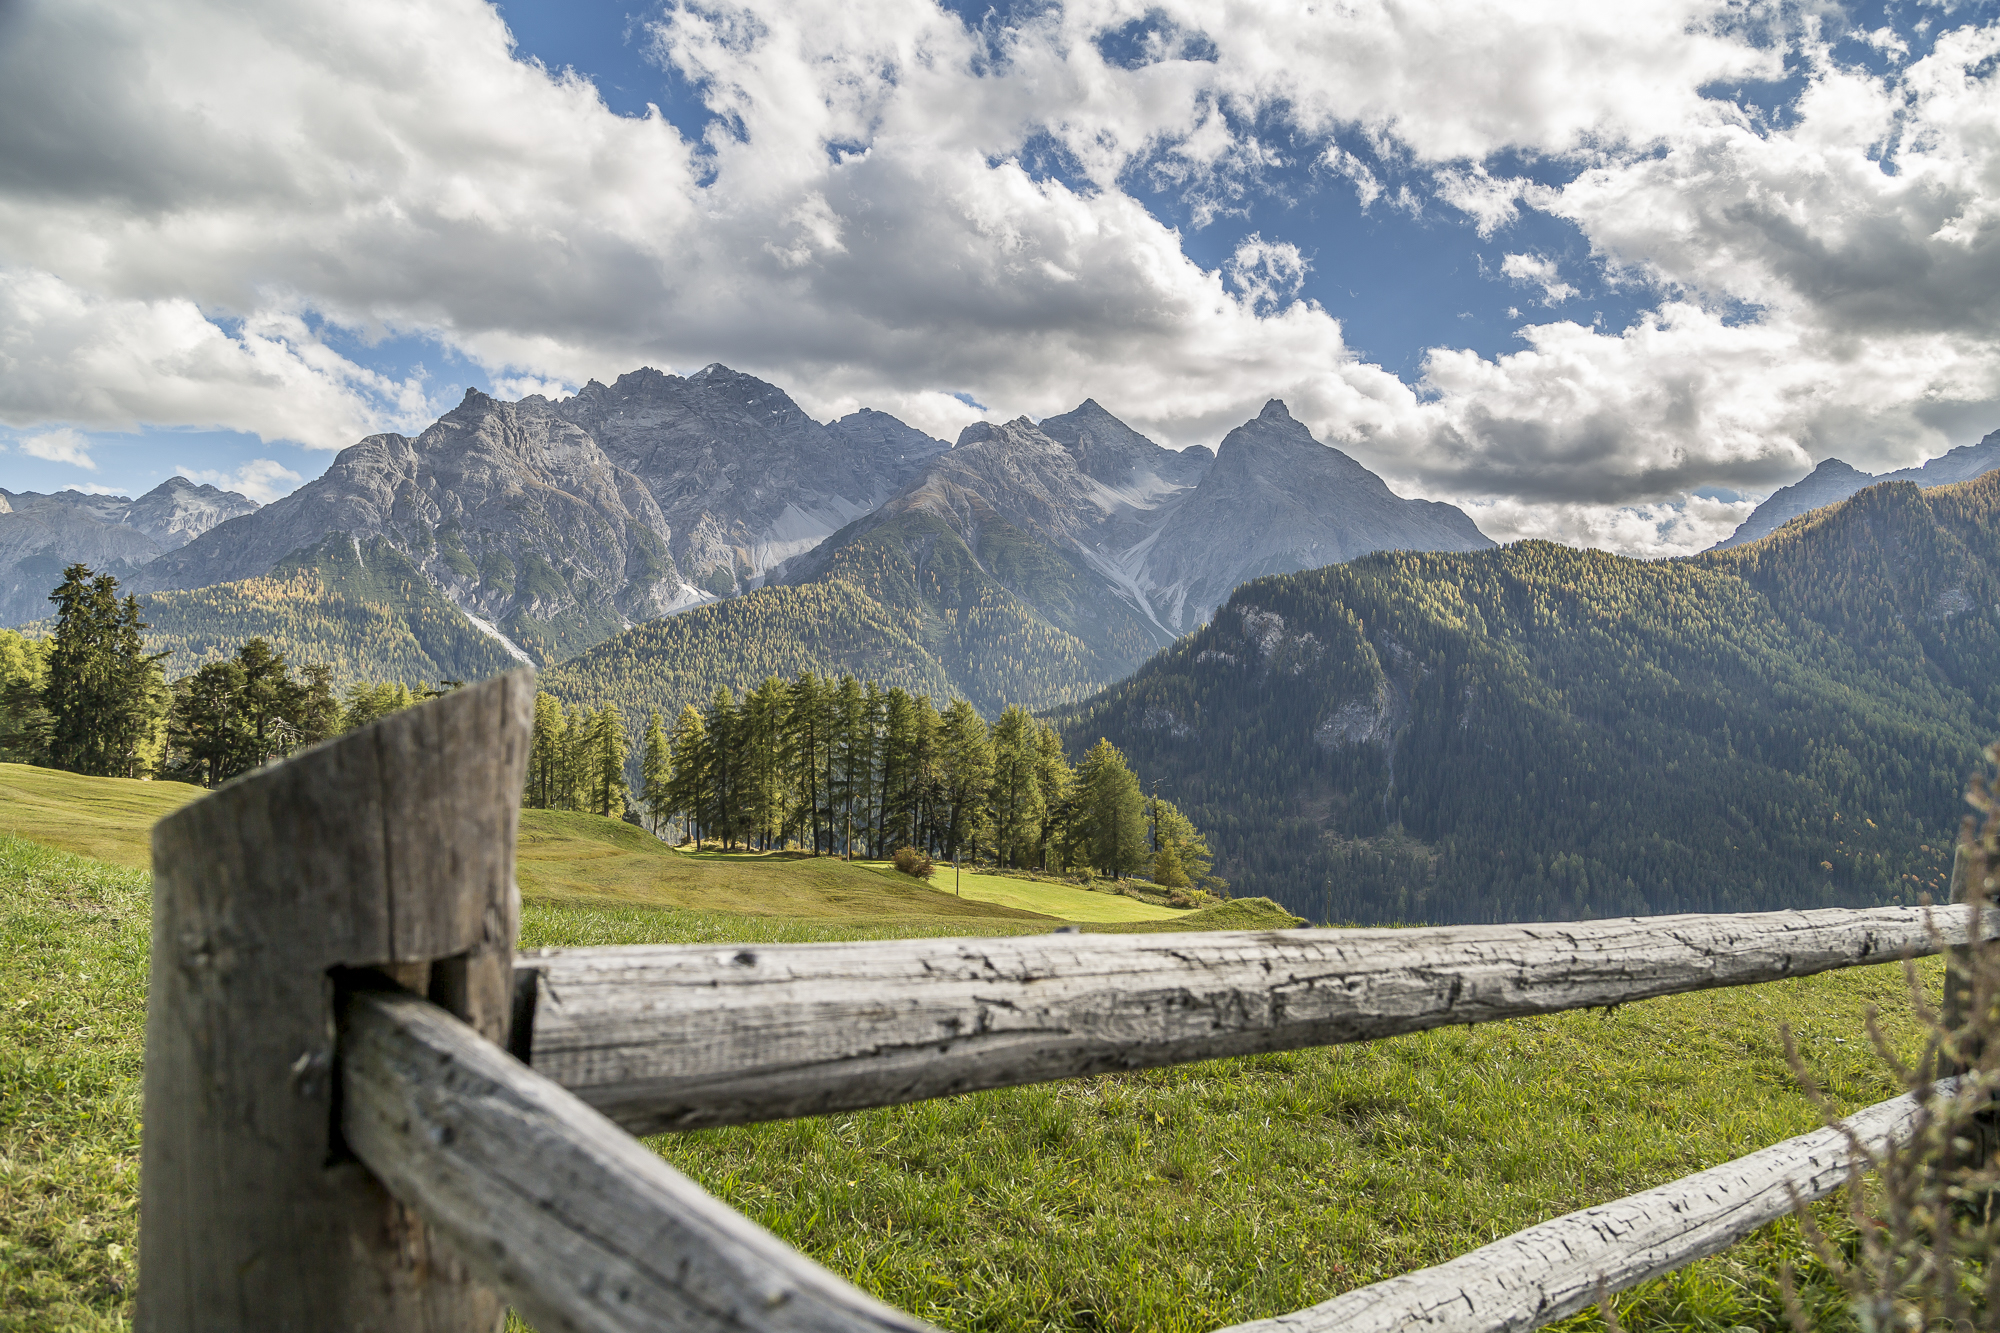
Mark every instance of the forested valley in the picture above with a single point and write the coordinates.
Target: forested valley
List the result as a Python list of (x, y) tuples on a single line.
[(906, 602), (1541, 732)]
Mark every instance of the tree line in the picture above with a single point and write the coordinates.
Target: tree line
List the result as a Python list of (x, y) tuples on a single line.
[(838, 766), (89, 698)]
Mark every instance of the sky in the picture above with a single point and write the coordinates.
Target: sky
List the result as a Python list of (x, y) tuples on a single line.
[(1605, 274)]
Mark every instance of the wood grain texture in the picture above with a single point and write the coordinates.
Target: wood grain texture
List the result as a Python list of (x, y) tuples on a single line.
[(390, 847), (577, 1223), (1554, 1269), (686, 1036)]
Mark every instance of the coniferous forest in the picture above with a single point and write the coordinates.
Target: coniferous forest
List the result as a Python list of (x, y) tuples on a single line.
[(1541, 732), (837, 766)]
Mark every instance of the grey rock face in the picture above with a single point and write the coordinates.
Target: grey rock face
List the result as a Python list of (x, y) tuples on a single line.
[(41, 535), (1167, 535), (512, 511), (555, 525), (743, 476), (1276, 501), (1833, 481)]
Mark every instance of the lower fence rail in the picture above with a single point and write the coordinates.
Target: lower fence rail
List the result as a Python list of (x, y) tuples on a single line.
[(572, 1220), (583, 1227), (1556, 1268)]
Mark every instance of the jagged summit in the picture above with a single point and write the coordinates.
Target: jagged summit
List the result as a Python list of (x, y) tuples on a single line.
[(1276, 501), (556, 524)]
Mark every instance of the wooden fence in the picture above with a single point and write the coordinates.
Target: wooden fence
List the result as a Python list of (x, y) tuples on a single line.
[(364, 1112)]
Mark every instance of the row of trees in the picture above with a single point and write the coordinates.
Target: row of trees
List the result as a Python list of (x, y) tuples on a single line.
[(841, 767), (90, 699)]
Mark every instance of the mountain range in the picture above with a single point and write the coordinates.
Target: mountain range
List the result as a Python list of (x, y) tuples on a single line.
[(1031, 563), (658, 520), (1833, 481), (42, 534)]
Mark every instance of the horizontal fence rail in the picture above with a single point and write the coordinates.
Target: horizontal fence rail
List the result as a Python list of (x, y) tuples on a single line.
[(574, 1221), (675, 1037), (1556, 1268)]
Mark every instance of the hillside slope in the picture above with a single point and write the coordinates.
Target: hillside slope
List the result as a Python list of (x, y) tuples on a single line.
[(1542, 732)]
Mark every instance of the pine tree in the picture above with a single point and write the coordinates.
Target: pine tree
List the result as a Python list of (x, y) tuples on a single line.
[(655, 773), (1016, 795), (1113, 812), (852, 760), (545, 749), (725, 751), (1178, 835), (688, 781), (1056, 784), (99, 688), (207, 729), (607, 749), (967, 770)]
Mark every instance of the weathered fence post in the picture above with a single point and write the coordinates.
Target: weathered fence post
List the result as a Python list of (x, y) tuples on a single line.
[(393, 849)]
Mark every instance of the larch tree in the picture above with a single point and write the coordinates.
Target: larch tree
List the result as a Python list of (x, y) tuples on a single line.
[(1113, 812), (1016, 792), (655, 770)]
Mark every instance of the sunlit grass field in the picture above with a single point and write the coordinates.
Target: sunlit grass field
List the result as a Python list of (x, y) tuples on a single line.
[(110, 819), (1065, 902), (1177, 1200)]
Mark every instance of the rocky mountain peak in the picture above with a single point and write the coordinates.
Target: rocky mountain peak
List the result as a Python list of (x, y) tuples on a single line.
[(1020, 433), (1275, 410), (1113, 453)]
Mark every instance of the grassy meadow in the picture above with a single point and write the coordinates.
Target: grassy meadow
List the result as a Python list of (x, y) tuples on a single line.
[(1172, 1200)]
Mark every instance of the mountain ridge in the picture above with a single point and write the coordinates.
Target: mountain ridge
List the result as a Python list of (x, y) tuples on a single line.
[(1016, 563), (1832, 480), (1542, 732), (41, 534)]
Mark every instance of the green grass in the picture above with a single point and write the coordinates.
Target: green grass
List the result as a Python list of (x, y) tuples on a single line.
[(1172, 1200), (110, 819), (587, 860), (1052, 898), (73, 937)]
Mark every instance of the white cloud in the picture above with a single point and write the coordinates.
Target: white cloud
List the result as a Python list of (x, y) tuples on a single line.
[(1683, 526), (1538, 271), (221, 182), (59, 446), (262, 479), (1267, 273), (111, 363)]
